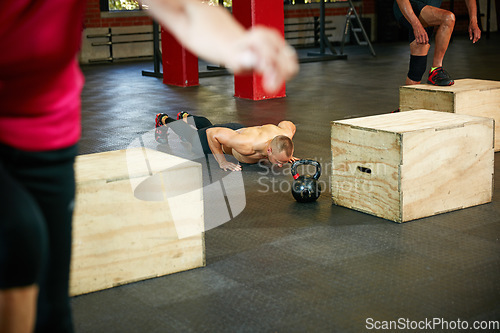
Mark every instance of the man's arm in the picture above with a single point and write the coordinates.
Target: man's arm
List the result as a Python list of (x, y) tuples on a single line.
[(474, 31), (219, 136), (421, 36), (213, 34)]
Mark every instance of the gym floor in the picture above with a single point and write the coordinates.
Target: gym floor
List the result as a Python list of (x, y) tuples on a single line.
[(282, 266)]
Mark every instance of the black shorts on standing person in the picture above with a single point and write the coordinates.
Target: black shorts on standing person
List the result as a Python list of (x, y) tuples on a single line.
[(417, 6)]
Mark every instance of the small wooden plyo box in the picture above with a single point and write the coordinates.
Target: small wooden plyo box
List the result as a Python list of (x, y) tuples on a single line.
[(131, 206), (466, 96), (408, 165)]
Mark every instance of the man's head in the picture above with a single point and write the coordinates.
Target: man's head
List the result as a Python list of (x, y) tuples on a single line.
[(280, 150)]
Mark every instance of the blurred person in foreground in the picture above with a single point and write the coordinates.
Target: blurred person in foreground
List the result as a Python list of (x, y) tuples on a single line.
[(40, 85)]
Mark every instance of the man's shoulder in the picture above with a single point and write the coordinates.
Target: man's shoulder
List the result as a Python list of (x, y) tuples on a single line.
[(285, 123), (271, 128), (282, 124), (267, 129)]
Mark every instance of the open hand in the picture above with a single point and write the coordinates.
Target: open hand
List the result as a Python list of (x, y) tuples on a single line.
[(265, 51), (421, 36), (474, 32), (225, 165)]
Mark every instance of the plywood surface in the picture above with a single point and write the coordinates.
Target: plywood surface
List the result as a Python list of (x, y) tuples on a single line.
[(119, 238), (365, 168), (467, 96), (409, 165), (461, 85), (446, 170), (402, 122)]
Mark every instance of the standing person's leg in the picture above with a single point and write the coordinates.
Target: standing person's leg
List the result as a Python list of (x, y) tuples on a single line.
[(418, 51), (418, 62), (18, 309), (35, 239), (55, 193), (22, 242), (445, 21)]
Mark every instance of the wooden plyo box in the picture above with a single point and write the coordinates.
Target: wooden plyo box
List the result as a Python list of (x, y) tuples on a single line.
[(131, 208), (408, 165), (466, 96)]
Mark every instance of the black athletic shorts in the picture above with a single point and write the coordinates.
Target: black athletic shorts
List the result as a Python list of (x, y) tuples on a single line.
[(417, 6)]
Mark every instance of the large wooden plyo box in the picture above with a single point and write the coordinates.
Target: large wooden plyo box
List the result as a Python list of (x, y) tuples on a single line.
[(131, 206), (466, 96), (408, 165)]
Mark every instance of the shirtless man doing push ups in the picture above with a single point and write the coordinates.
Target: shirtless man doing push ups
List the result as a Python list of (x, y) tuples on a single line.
[(247, 144)]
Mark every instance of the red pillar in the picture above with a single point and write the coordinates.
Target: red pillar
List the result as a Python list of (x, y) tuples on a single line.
[(258, 12), (180, 67)]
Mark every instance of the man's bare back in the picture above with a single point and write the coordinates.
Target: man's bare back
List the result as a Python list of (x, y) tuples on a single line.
[(257, 135), (247, 145)]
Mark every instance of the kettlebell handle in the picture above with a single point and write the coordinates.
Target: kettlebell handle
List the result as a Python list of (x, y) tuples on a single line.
[(310, 162)]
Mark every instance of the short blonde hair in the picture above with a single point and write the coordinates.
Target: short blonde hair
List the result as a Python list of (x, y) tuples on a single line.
[(282, 143)]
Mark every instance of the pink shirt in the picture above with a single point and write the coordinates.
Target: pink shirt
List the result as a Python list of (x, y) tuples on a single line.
[(40, 80)]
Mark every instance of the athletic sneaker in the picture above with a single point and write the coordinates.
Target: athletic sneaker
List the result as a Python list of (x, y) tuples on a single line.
[(440, 77), (182, 115), (160, 129)]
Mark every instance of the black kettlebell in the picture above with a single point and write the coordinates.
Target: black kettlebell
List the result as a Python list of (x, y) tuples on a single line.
[(306, 188)]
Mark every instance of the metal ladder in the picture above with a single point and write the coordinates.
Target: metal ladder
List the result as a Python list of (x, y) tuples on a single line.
[(352, 15)]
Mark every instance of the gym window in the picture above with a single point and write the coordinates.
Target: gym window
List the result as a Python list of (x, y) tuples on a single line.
[(114, 5), (127, 5)]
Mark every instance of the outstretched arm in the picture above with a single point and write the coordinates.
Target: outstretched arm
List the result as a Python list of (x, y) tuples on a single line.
[(421, 36), (474, 31), (213, 34)]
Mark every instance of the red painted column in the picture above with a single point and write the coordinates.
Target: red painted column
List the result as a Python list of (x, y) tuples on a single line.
[(180, 67), (258, 12)]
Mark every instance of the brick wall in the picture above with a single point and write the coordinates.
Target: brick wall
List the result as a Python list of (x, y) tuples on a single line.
[(94, 19), (368, 6), (97, 23)]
